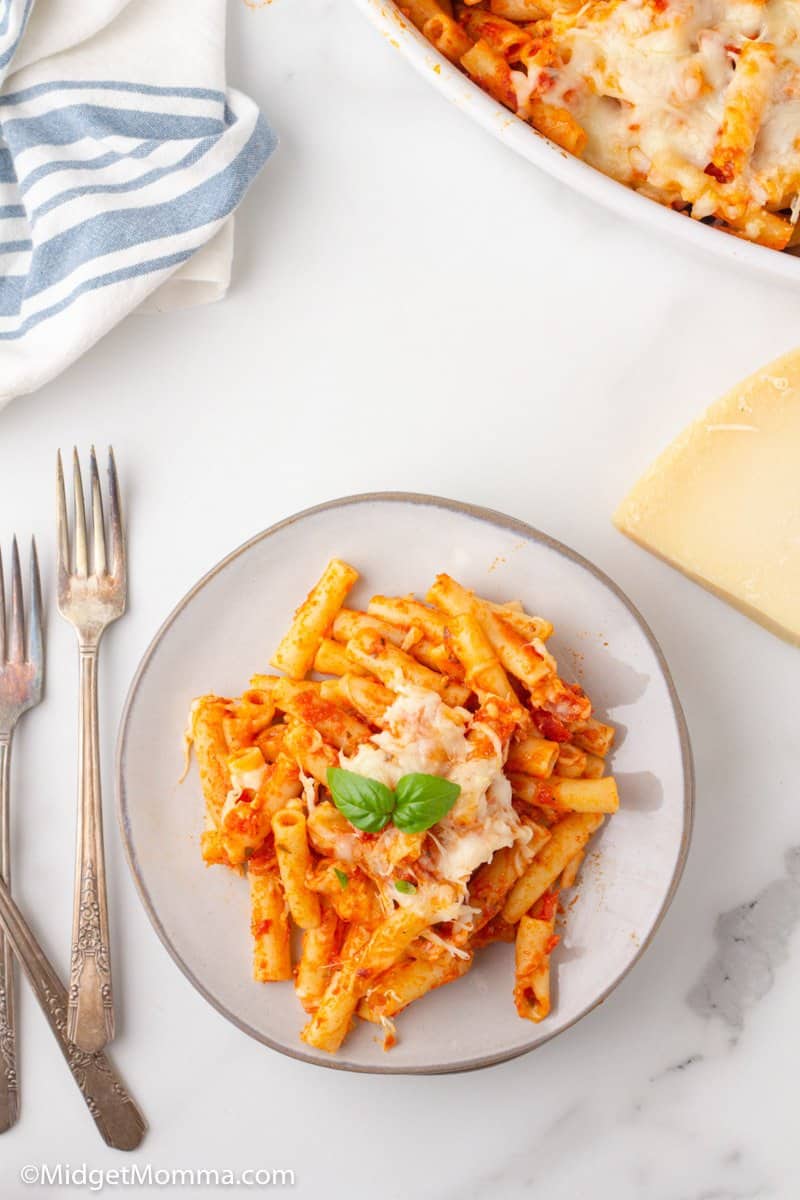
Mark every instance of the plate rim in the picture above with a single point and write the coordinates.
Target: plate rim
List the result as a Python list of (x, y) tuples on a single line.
[(556, 162), (491, 516)]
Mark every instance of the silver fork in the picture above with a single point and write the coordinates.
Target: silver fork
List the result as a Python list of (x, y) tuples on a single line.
[(21, 676), (91, 594), (115, 1113)]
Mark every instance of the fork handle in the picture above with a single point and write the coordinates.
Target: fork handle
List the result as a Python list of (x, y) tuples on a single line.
[(91, 1009), (9, 1096), (115, 1113)]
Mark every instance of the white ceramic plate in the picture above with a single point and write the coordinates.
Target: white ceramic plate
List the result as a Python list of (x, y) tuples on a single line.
[(226, 628), (467, 96)]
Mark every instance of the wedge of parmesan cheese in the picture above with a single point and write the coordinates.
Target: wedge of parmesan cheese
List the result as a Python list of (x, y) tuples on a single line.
[(722, 503)]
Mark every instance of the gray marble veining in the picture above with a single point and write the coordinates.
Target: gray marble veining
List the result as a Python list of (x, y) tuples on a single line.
[(752, 941)]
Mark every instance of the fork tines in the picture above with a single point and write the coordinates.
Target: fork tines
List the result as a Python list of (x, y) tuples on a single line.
[(15, 647), (21, 676), (107, 555)]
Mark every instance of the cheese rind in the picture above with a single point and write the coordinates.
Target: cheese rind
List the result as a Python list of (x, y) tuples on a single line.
[(722, 503)]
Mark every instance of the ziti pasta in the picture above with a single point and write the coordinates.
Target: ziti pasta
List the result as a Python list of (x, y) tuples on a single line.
[(434, 794), (694, 103)]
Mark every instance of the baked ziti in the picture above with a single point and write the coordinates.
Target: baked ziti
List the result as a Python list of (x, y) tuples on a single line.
[(694, 103), (419, 782)]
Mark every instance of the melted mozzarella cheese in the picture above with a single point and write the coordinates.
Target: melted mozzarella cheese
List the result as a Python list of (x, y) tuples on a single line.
[(647, 80), (464, 848), (247, 772), (247, 778), (424, 735)]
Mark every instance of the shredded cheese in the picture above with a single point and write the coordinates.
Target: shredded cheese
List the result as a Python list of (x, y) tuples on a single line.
[(423, 734), (695, 103)]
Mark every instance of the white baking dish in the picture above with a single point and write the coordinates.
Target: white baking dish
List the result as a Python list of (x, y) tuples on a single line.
[(585, 179)]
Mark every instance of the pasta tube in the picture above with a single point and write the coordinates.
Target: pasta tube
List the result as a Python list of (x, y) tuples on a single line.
[(594, 736), (518, 656), (320, 947), (559, 125), (390, 664), (330, 1022), (407, 613), (578, 795), (491, 883), (535, 942), (532, 628), (503, 36), (571, 763), (299, 645), (567, 838), (269, 925), (745, 101), (570, 873), (595, 766), (348, 891), (447, 36), (291, 851), (336, 725), (409, 980), (481, 665), (310, 752), (533, 755), (369, 698), (270, 742), (491, 72), (333, 659), (330, 833), (207, 734)]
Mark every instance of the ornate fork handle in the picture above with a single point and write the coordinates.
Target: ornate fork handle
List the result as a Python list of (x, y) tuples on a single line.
[(9, 1095), (91, 1006), (116, 1115)]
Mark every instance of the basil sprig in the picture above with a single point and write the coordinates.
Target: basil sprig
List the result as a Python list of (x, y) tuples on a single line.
[(417, 802), (422, 800)]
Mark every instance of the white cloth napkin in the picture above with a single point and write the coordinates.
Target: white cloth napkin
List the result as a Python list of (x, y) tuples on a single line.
[(122, 157)]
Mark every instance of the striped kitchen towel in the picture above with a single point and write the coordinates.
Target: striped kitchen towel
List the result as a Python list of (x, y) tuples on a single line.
[(123, 155)]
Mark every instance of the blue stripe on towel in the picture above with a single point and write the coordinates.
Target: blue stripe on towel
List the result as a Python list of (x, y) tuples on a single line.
[(99, 239), (131, 185), (108, 232), (141, 89), (90, 285), (8, 54), (89, 164), (7, 174), (78, 121), (11, 292)]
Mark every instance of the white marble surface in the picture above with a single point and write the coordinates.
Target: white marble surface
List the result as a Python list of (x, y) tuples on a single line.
[(415, 308)]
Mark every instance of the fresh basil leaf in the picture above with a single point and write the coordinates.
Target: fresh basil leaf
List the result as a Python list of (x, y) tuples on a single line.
[(404, 886), (367, 803), (343, 878), (422, 800)]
